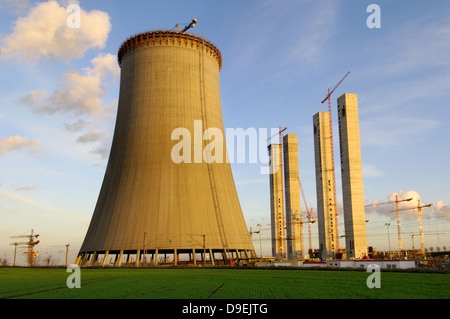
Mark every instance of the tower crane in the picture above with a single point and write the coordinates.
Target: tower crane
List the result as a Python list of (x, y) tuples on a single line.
[(328, 97), (397, 210), (419, 210), (187, 27), (310, 216), (31, 253)]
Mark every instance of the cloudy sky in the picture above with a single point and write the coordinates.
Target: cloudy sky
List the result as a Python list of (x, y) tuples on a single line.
[(60, 84)]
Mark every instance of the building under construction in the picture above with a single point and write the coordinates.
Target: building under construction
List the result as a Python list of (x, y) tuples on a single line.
[(325, 187), (294, 233), (286, 220), (150, 205), (277, 202), (352, 179)]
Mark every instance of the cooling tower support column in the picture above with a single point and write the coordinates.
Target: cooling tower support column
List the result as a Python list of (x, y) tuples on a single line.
[(167, 174)]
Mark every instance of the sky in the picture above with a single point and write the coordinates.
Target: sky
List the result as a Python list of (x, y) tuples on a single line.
[(59, 86)]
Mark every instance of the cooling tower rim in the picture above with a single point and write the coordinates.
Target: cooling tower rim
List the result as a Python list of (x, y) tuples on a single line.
[(159, 36)]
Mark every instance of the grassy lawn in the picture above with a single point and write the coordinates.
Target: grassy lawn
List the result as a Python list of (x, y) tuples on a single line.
[(50, 283)]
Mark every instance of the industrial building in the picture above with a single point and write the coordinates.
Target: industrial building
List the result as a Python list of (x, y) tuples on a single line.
[(325, 188), (294, 233), (352, 179), (149, 205), (277, 202)]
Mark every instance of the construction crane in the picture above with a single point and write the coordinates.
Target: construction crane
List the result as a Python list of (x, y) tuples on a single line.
[(281, 220), (328, 97), (310, 217), (187, 27), (31, 253), (419, 210), (397, 210)]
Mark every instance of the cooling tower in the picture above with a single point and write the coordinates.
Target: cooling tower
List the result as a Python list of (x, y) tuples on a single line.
[(167, 189)]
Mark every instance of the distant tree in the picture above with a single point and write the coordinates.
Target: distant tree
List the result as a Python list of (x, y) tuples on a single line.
[(438, 249), (4, 262), (431, 249), (444, 248), (49, 260)]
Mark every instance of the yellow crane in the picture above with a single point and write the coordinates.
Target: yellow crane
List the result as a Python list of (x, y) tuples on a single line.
[(397, 210), (30, 244), (419, 210)]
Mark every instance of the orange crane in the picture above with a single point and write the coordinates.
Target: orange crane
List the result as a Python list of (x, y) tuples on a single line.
[(281, 220), (31, 253), (310, 216), (419, 210), (397, 210), (328, 97)]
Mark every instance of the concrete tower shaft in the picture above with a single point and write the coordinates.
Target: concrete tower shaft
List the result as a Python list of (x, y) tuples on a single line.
[(294, 232), (326, 201), (352, 179), (277, 202), (148, 202)]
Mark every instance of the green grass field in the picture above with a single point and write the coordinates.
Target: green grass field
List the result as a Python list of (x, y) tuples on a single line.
[(50, 283)]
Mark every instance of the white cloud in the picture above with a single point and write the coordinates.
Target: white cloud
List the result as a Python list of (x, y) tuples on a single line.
[(102, 140), (81, 94), (27, 188), (408, 209), (19, 143), (81, 99), (44, 34), (442, 210)]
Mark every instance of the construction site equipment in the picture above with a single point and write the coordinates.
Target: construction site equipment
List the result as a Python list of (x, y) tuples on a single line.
[(328, 97), (419, 211), (187, 27), (310, 217), (397, 210), (29, 245)]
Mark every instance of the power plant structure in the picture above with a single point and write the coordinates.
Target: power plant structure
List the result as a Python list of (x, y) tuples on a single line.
[(277, 201), (286, 219), (294, 233), (326, 198), (159, 197), (352, 179)]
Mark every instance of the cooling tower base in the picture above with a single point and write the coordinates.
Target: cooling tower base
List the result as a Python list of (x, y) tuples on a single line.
[(162, 257)]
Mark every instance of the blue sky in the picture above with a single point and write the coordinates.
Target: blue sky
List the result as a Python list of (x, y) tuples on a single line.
[(59, 90)]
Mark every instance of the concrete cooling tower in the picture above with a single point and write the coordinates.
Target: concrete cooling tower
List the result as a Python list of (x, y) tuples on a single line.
[(163, 199)]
